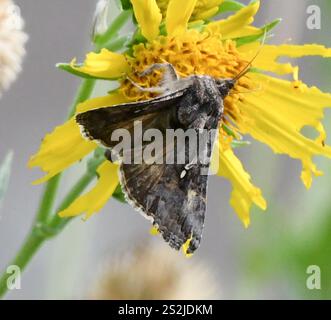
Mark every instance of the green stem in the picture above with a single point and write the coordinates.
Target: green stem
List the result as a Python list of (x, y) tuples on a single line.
[(31, 245), (41, 232), (57, 224), (48, 199), (113, 29), (41, 229), (46, 226), (84, 92)]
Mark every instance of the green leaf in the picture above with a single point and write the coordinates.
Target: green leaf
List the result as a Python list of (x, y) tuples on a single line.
[(119, 43), (264, 30), (256, 70), (197, 25), (230, 132), (239, 144), (68, 68), (119, 195), (137, 39), (113, 29), (228, 6), (5, 170), (126, 4)]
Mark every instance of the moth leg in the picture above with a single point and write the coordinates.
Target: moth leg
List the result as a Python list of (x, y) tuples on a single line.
[(160, 90), (170, 73)]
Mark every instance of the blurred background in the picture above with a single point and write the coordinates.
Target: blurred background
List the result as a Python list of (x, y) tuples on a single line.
[(269, 260)]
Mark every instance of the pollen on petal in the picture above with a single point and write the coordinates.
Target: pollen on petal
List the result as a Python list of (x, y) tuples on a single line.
[(93, 201)]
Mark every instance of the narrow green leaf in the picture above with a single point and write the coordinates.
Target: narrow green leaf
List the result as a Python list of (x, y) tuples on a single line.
[(68, 68), (239, 144), (265, 29), (113, 29), (256, 70), (5, 170), (230, 132)]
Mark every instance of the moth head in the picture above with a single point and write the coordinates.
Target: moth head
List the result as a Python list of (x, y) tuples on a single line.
[(225, 86)]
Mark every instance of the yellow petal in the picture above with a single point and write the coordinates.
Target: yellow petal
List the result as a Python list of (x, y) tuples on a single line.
[(148, 16), (65, 145), (244, 193), (93, 201), (178, 15), (237, 25), (185, 247), (206, 9), (104, 65), (204, 15), (277, 114), (100, 102), (154, 231), (267, 58)]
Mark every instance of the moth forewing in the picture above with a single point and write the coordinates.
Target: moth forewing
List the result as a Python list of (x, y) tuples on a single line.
[(172, 195)]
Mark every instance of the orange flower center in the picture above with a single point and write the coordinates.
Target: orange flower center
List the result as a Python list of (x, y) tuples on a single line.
[(193, 53)]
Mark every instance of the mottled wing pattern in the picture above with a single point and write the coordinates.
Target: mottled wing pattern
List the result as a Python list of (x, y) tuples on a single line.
[(99, 124), (173, 196), (176, 205)]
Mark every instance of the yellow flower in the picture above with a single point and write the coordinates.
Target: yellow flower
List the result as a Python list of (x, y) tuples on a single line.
[(274, 112)]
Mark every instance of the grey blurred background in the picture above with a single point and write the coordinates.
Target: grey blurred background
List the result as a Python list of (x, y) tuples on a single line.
[(255, 263)]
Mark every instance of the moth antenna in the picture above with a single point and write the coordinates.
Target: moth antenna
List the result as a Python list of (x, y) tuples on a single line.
[(246, 69)]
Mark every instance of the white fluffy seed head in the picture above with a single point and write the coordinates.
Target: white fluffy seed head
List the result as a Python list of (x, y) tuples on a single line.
[(154, 272), (101, 18), (12, 41)]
